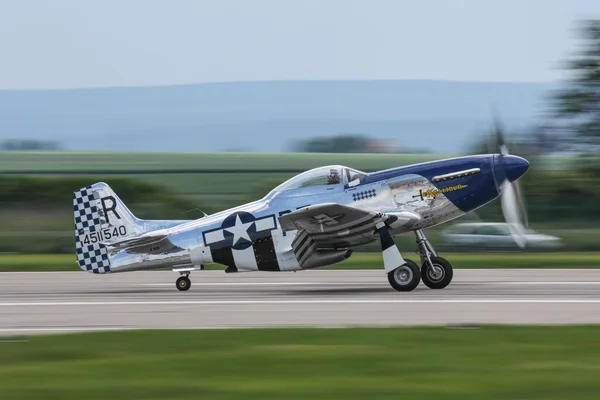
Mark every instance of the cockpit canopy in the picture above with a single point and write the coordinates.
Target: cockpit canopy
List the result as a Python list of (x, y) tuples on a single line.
[(329, 175)]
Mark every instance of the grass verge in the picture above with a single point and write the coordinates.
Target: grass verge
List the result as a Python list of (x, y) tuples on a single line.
[(66, 262), (489, 362)]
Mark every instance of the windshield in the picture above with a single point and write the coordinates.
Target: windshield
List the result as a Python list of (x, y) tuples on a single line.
[(322, 176), (330, 175)]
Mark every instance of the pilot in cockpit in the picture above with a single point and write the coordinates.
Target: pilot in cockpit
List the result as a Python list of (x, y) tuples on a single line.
[(334, 177)]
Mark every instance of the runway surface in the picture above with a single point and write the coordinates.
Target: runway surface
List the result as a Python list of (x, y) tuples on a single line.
[(47, 302)]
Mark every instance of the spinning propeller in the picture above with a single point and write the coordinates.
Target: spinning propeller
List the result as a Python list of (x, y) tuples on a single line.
[(507, 170)]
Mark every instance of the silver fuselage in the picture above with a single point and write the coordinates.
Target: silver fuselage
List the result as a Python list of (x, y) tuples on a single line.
[(390, 191)]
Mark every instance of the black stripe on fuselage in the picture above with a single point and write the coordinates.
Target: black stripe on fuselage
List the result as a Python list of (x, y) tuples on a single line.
[(224, 256), (264, 252)]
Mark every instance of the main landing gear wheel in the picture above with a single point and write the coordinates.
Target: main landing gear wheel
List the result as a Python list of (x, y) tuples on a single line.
[(406, 277), (438, 275), (183, 283)]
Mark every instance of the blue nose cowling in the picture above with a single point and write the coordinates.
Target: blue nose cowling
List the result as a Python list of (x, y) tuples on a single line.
[(515, 167), (509, 167)]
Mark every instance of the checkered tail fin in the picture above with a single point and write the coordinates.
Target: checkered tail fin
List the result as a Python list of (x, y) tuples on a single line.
[(101, 218)]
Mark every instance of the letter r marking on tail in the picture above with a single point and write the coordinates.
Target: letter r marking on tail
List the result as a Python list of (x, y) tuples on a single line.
[(109, 207)]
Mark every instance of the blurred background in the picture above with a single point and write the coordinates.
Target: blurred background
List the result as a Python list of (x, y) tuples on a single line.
[(203, 107), (195, 106)]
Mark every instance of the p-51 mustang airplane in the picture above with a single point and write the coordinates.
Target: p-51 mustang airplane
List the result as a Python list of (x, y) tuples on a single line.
[(312, 220)]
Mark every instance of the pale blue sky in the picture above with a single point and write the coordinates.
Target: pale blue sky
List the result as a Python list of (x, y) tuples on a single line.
[(79, 43)]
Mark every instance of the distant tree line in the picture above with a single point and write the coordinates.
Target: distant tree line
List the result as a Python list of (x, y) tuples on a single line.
[(349, 143), (29, 145)]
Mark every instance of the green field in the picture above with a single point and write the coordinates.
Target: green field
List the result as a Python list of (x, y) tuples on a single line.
[(488, 362), (66, 262), (124, 162), (127, 161)]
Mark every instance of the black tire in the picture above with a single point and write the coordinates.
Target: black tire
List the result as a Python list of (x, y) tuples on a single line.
[(438, 280), (183, 283), (406, 277)]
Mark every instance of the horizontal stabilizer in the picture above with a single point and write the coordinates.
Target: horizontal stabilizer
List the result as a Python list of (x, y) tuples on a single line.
[(137, 241)]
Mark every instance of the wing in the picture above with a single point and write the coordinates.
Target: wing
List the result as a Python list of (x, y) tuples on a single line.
[(331, 227)]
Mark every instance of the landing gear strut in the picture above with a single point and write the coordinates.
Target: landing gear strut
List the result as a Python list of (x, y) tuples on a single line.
[(183, 283), (436, 271), (403, 275)]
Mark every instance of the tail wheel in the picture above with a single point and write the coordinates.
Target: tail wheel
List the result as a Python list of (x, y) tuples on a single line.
[(406, 277), (438, 275), (183, 283)]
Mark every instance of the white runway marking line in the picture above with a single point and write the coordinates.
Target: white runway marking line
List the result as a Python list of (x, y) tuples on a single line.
[(372, 283), (246, 284), (543, 283), (149, 327), (65, 329), (288, 302)]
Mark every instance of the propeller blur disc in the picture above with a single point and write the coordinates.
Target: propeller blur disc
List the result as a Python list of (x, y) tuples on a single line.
[(511, 197), (512, 214)]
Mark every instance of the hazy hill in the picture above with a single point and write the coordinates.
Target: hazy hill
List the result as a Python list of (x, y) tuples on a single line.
[(266, 116)]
